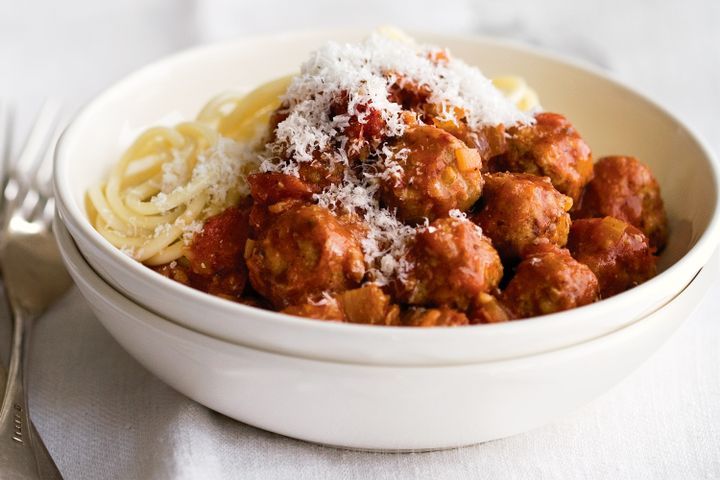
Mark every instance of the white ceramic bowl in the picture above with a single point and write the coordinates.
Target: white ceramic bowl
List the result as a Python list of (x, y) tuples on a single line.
[(612, 117), (377, 407)]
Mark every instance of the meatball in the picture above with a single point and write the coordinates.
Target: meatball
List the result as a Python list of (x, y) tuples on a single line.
[(518, 210), (367, 304), (326, 308), (552, 148), (451, 262), (272, 193), (227, 284), (214, 261), (490, 142), (549, 280), (434, 317), (304, 252), (409, 94), (320, 174), (268, 188), (370, 305), (360, 136), (220, 245), (431, 173), (489, 308), (626, 189), (618, 253)]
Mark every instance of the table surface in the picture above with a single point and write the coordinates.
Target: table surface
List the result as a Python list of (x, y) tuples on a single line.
[(103, 416)]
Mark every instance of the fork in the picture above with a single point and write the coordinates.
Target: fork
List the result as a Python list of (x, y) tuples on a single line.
[(34, 277), (6, 134)]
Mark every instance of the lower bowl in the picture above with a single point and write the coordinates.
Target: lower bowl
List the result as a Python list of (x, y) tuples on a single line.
[(377, 407)]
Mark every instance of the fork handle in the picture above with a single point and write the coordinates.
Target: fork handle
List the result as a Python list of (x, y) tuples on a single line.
[(23, 455)]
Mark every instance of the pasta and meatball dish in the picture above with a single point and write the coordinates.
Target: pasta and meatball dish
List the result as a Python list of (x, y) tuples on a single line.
[(387, 183)]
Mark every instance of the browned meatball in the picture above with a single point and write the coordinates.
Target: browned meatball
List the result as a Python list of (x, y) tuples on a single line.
[(229, 284), (451, 263), (518, 210), (326, 308), (409, 94), (268, 188), (322, 170), (552, 148), (360, 137), (303, 253), (626, 189), (549, 280), (618, 253), (488, 141), (439, 173), (434, 317), (369, 304), (489, 308), (320, 173)]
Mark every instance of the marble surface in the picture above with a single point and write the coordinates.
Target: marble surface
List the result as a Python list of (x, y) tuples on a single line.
[(104, 416)]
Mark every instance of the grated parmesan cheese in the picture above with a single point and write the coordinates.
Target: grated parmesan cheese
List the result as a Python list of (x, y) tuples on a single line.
[(364, 73), (223, 168), (462, 216), (326, 298), (457, 214), (175, 172), (190, 230)]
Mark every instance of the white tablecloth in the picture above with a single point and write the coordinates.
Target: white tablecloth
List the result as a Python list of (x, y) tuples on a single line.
[(103, 416)]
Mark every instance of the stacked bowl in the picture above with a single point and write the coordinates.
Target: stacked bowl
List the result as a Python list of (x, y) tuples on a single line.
[(388, 388)]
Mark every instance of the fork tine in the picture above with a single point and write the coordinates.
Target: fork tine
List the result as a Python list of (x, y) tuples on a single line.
[(22, 173), (6, 134), (39, 195), (43, 179), (37, 142), (48, 213)]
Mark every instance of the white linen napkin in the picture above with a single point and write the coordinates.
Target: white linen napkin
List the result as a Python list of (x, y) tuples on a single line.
[(103, 416)]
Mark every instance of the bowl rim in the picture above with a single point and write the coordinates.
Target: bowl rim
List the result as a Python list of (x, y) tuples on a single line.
[(73, 214)]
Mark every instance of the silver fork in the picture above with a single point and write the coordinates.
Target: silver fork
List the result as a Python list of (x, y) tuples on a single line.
[(34, 278), (6, 135)]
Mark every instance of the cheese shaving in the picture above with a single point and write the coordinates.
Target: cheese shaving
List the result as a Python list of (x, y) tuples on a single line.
[(365, 72), (221, 171), (386, 241), (362, 75)]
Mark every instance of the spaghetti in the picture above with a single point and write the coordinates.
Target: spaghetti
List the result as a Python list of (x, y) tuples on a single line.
[(171, 180)]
